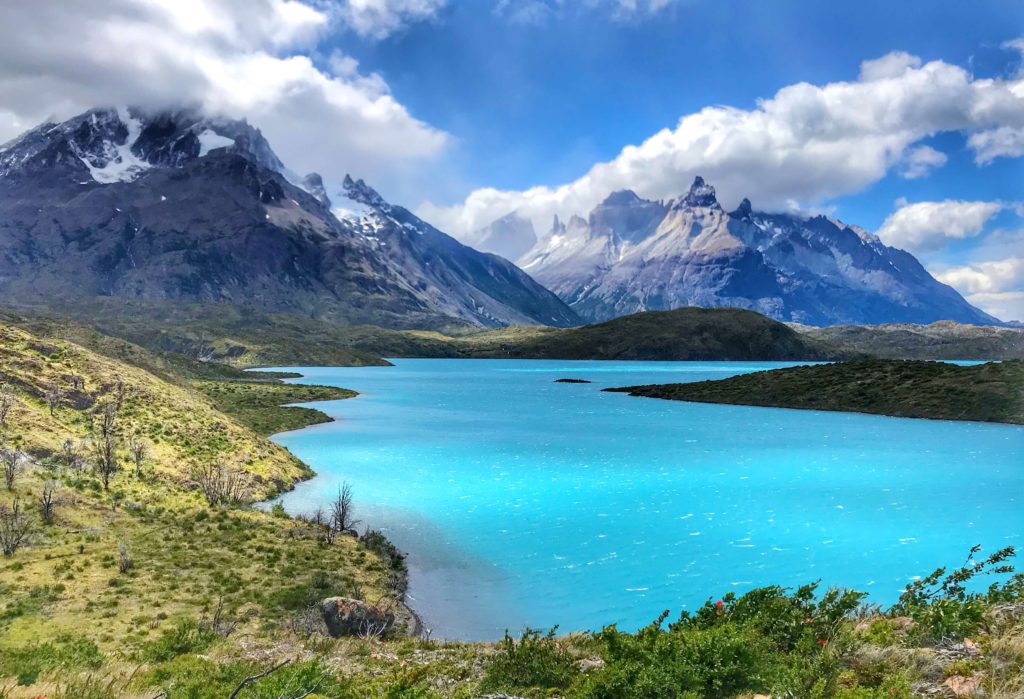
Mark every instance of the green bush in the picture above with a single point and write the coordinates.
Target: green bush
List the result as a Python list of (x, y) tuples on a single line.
[(683, 662), (536, 661), (187, 636)]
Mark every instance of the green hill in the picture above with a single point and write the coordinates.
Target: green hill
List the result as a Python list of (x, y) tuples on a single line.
[(991, 392)]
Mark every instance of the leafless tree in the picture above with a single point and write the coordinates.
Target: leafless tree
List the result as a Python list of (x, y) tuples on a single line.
[(222, 485), (343, 511), (15, 527), (53, 396), (139, 451), (104, 442), (46, 501), (77, 382), (6, 403), (11, 460), (318, 517), (220, 623)]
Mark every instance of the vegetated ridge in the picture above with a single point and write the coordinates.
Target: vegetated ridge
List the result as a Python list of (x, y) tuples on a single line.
[(992, 392)]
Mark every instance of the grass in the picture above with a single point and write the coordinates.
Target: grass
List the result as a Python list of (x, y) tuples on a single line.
[(991, 392), (260, 406)]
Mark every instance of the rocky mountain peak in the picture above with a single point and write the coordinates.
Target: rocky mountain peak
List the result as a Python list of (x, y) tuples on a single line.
[(359, 191), (743, 210), (701, 194)]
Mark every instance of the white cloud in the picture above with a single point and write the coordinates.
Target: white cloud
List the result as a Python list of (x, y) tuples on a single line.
[(377, 19), (239, 58), (536, 12), (985, 277), (919, 162), (996, 287), (930, 225), (806, 143), (1004, 142)]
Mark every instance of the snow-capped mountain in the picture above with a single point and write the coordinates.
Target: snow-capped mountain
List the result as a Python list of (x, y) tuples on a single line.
[(633, 255), (176, 207), (511, 236)]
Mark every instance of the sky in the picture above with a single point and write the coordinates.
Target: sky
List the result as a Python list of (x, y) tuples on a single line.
[(906, 118)]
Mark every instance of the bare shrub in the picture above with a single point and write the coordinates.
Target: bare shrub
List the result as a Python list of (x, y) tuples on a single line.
[(11, 460), (46, 501), (71, 454), (53, 396), (343, 511), (16, 529), (6, 402), (138, 450), (222, 485), (125, 562)]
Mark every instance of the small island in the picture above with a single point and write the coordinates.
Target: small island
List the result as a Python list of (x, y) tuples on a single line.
[(571, 381), (992, 392)]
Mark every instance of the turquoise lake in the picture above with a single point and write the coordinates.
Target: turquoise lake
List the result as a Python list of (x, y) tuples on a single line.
[(523, 502)]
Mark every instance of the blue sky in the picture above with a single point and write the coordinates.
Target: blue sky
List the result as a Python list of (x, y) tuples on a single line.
[(904, 117)]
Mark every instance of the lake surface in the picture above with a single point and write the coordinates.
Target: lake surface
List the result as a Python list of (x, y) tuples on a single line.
[(526, 502)]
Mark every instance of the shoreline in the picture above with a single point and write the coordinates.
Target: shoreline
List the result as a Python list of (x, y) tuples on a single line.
[(413, 621)]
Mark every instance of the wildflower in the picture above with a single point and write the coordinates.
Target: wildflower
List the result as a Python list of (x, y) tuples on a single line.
[(821, 642)]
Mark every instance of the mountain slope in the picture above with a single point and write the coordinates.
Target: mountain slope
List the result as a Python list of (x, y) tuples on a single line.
[(632, 255), (173, 207)]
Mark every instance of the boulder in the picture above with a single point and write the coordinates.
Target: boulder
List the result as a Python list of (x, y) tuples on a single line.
[(350, 617)]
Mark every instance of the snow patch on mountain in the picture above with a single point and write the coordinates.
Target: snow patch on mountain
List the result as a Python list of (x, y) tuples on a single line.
[(211, 140)]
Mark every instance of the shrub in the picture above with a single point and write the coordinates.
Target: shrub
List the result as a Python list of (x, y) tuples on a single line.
[(535, 661), (187, 636)]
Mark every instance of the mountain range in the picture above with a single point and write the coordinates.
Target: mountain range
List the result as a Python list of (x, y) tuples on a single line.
[(172, 207), (632, 254)]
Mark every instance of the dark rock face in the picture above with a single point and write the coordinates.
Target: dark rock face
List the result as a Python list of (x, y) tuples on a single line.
[(178, 208), (349, 617), (632, 255)]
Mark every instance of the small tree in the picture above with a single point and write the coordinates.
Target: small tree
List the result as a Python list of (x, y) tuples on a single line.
[(46, 501), (221, 485), (138, 450), (6, 403), (104, 442), (15, 527), (11, 460), (53, 396), (343, 510)]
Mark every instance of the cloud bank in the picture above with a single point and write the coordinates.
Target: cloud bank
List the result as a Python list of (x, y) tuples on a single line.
[(931, 225), (805, 144), (237, 58)]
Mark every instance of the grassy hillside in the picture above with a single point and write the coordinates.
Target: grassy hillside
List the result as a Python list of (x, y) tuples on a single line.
[(988, 392), (942, 340)]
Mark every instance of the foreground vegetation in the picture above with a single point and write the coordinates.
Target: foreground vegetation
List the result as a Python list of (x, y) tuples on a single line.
[(991, 392)]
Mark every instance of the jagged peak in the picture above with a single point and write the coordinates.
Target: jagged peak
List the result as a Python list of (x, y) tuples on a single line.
[(743, 210), (701, 194), (359, 191)]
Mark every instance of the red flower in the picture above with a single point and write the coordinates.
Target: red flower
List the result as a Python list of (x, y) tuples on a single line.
[(719, 604), (821, 642)]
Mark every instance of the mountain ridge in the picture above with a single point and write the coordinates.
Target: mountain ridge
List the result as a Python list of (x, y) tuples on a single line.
[(177, 207), (631, 254)]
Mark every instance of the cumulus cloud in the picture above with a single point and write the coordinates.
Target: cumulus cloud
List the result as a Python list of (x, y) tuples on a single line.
[(237, 58), (920, 161), (379, 18), (996, 286), (805, 144), (1004, 142), (930, 225)]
